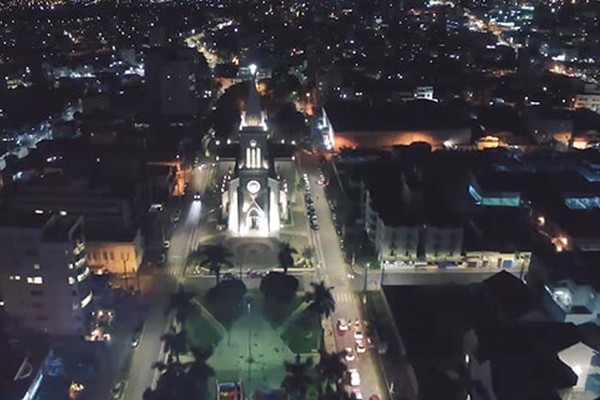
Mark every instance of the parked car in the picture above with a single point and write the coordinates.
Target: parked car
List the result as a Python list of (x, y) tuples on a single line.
[(117, 390)]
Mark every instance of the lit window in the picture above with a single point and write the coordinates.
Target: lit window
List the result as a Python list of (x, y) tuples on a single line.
[(70, 265), (36, 266), (35, 280), (17, 277), (71, 280)]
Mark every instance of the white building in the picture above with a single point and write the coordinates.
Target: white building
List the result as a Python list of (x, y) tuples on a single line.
[(256, 200), (400, 232), (589, 101), (44, 274), (117, 251), (566, 301)]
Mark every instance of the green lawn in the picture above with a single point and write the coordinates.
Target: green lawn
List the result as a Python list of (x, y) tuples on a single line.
[(200, 332), (276, 313), (304, 334)]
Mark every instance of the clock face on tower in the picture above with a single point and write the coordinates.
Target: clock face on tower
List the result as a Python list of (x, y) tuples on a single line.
[(253, 187)]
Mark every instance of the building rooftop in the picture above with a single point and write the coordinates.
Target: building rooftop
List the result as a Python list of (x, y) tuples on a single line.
[(415, 115), (23, 219), (104, 233)]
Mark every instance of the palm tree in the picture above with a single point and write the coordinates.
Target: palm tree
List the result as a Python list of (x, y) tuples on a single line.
[(169, 384), (320, 299), (286, 256), (174, 344), (331, 370), (181, 302), (213, 256), (198, 371), (298, 378)]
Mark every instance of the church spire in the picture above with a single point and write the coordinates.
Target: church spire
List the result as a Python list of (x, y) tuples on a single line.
[(253, 116)]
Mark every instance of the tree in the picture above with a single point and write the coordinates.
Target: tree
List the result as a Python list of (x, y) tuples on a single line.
[(298, 377), (278, 286), (213, 256), (174, 344), (321, 299), (286, 256), (331, 369), (226, 298), (169, 385), (181, 303), (199, 372)]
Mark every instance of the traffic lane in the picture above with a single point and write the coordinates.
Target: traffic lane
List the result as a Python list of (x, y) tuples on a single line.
[(364, 363), (147, 352), (339, 273)]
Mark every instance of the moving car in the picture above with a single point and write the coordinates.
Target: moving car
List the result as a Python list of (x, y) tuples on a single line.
[(360, 346), (197, 196), (358, 335), (350, 356), (117, 390), (354, 377), (342, 326), (154, 208)]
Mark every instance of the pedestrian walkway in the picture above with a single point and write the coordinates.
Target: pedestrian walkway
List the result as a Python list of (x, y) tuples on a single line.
[(344, 297)]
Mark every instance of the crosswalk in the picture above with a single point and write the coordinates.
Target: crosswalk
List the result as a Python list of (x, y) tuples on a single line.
[(172, 270), (344, 297)]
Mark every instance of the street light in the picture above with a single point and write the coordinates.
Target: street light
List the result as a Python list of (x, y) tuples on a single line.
[(125, 258), (365, 284)]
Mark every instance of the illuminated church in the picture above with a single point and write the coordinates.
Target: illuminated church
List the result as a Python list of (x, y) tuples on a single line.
[(255, 202)]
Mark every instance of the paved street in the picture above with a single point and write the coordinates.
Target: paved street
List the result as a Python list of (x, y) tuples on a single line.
[(187, 233), (333, 269)]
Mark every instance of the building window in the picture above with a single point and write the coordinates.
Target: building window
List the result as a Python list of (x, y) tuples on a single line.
[(112, 256), (71, 280), (105, 255), (36, 266), (35, 280), (14, 277)]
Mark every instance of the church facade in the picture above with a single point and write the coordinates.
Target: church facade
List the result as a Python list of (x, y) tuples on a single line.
[(255, 202)]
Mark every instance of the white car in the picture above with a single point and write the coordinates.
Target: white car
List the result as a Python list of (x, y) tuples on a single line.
[(357, 394), (360, 346), (358, 335), (154, 208), (354, 377), (350, 356), (342, 326)]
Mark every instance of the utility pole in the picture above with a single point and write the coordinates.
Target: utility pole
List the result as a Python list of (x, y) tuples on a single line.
[(249, 345), (365, 283), (125, 258)]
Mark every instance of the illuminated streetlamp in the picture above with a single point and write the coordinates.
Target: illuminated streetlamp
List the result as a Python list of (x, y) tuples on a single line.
[(252, 68)]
